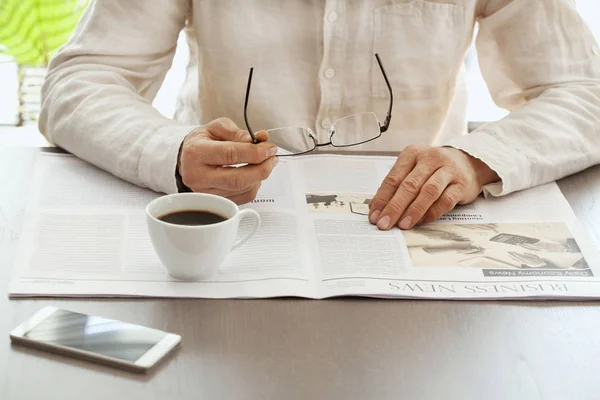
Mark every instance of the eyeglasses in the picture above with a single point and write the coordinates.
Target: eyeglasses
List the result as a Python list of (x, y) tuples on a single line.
[(348, 131)]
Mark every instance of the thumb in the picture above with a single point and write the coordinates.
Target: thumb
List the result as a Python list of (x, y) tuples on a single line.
[(244, 136), (261, 136), (224, 129)]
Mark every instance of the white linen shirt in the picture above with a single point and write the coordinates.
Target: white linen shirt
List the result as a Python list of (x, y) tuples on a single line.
[(314, 63)]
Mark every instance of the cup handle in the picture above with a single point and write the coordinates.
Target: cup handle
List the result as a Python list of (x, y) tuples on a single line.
[(247, 213)]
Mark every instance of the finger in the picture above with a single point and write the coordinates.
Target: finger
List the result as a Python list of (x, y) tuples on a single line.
[(244, 136), (404, 164), (429, 193), (230, 153), (407, 192), (245, 197), (240, 178), (225, 129), (445, 203), (261, 136)]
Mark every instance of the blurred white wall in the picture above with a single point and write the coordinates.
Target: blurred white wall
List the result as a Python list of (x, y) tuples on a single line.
[(166, 97)]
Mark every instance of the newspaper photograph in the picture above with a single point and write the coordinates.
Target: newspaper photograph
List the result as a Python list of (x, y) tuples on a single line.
[(548, 248), (348, 203)]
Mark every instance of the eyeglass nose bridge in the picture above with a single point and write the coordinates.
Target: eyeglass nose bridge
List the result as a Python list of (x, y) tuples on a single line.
[(315, 138)]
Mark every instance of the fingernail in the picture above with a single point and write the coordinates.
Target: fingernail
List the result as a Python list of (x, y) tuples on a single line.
[(275, 161), (272, 151), (375, 216), (384, 223), (405, 223)]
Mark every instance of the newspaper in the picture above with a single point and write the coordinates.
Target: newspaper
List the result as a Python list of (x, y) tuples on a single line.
[(85, 235)]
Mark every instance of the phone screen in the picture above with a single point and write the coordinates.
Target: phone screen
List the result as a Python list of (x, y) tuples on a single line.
[(108, 337)]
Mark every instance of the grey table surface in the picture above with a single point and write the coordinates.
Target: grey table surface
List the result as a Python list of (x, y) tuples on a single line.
[(326, 349)]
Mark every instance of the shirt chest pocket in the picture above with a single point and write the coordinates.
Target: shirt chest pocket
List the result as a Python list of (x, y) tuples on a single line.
[(422, 44)]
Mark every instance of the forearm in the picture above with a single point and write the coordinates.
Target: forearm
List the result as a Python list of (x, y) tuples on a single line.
[(101, 119), (541, 63), (96, 101), (552, 136)]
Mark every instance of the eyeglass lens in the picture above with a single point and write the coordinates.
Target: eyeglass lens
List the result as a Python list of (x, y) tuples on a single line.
[(348, 131)]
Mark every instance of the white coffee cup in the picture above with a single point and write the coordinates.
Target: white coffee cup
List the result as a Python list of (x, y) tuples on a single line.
[(196, 252)]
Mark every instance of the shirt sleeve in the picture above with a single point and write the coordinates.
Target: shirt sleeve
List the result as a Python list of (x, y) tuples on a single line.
[(97, 97), (541, 62)]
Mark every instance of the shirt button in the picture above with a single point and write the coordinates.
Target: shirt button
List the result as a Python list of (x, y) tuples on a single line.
[(332, 17), (595, 50), (326, 123), (329, 73)]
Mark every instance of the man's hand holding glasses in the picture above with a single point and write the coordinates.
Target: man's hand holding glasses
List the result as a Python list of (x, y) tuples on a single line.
[(208, 152)]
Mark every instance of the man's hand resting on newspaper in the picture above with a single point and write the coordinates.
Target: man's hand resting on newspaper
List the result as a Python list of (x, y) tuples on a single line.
[(208, 152), (425, 183)]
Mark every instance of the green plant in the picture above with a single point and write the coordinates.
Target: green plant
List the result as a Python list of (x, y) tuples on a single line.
[(32, 30), (30, 33)]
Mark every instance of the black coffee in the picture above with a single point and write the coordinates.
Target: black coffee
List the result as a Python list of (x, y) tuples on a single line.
[(192, 217)]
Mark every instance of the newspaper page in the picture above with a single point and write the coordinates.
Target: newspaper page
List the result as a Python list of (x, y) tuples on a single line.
[(528, 244), (85, 235)]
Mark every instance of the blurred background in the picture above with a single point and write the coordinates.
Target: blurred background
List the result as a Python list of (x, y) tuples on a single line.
[(46, 24)]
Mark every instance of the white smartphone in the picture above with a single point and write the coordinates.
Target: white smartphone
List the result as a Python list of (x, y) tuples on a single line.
[(132, 347)]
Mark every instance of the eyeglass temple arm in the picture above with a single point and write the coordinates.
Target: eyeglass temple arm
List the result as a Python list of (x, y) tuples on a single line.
[(388, 117), (246, 107)]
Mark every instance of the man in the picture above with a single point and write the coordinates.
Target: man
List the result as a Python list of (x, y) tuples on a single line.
[(314, 63)]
